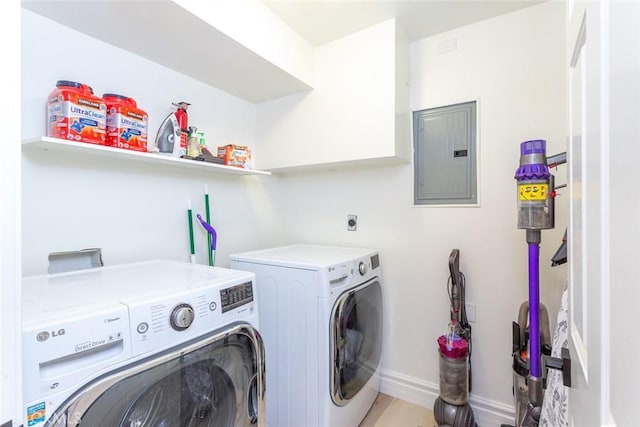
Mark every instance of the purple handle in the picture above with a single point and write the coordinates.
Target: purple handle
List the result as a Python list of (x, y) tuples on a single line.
[(534, 310), (210, 230)]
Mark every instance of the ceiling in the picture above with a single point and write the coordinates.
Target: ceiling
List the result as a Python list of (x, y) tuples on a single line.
[(321, 21)]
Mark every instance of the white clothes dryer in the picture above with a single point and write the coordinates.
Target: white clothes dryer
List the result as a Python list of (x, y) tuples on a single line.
[(158, 344), (321, 320)]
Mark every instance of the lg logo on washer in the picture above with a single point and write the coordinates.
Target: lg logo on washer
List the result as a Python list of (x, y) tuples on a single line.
[(44, 335)]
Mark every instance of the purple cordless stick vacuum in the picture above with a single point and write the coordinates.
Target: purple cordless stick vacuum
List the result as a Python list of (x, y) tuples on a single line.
[(535, 213)]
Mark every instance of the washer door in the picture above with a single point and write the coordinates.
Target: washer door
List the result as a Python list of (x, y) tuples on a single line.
[(356, 340), (216, 381)]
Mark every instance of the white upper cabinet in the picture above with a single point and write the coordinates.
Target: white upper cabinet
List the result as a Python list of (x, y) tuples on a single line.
[(239, 47), (357, 113)]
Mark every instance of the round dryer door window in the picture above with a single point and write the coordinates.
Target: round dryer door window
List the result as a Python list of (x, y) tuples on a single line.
[(356, 340), (214, 385)]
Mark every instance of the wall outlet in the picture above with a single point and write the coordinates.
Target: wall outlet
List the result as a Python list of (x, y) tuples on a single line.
[(352, 222), (471, 312)]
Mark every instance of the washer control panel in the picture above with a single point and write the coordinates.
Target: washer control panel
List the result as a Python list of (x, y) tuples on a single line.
[(167, 321)]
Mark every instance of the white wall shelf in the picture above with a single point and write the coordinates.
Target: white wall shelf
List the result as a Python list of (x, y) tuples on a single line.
[(60, 145)]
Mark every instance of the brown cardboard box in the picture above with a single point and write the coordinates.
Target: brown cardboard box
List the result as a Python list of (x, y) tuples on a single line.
[(236, 155)]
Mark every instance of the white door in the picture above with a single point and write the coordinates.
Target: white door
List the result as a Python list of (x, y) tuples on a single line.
[(604, 149), (620, 383), (10, 250)]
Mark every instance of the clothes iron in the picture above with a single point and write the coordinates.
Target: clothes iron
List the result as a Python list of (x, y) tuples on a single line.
[(172, 134)]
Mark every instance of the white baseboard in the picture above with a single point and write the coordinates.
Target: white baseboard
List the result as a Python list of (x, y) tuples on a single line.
[(487, 413)]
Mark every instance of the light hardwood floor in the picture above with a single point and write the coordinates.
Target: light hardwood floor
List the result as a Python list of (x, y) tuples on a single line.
[(388, 411)]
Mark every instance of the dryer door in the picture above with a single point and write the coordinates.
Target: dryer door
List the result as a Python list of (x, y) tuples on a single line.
[(215, 381), (356, 340)]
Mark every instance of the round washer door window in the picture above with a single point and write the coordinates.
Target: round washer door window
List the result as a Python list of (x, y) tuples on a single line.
[(208, 400), (211, 386)]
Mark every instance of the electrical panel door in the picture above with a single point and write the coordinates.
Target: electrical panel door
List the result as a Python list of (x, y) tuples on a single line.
[(445, 155)]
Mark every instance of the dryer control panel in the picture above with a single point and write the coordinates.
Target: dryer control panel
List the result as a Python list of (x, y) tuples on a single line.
[(236, 296), (350, 273)]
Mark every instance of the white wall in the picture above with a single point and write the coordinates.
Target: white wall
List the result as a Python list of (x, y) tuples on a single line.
[(515, 70), (133, 212), (513, 66)]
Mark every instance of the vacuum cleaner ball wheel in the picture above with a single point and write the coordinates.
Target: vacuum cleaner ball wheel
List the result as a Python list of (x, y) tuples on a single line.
[(450, 415)]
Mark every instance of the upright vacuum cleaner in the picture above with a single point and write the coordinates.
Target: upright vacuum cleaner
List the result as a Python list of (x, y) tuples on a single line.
[(536, 193), (452, 407)]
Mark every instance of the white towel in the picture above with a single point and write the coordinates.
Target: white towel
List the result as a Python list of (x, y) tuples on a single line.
[(555, 406)]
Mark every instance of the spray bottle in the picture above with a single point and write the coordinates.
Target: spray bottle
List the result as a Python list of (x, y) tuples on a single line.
[(183, 123)]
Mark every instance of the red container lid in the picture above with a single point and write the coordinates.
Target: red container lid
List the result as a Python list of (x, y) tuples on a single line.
[(459, 347), (74, 85), (68, 83), (114, 98)]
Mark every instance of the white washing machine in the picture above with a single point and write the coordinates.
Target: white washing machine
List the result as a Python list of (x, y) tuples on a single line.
[(158, 344), (321, 320)]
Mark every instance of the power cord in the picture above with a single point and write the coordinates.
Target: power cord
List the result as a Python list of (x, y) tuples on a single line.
[(465, 327)]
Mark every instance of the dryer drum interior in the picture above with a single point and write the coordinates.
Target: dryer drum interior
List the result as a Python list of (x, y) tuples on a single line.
[(356, 340), (209, 386)]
